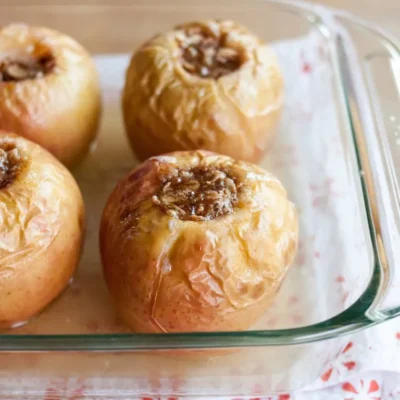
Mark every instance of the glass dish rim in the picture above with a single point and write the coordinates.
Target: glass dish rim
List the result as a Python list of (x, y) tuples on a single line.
[(350, 320)]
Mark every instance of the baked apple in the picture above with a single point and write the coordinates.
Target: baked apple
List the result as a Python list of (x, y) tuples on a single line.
[(41, 228), (209, 85), (49, 90), (195, 241)]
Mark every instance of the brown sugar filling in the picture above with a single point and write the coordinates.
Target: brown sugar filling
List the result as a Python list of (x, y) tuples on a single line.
[(198, 194), (14, 70), (208, 56), (11, 163)]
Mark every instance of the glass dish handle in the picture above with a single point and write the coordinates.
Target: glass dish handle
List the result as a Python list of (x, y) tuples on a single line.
[(382, 76), (373, 105)]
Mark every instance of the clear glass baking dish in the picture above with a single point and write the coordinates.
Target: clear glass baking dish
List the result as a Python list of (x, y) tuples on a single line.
[(343, 279)]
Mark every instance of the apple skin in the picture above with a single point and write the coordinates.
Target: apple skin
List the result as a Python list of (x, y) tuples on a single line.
[(166, 274), (59, 111), (41, 229), (168, 109)]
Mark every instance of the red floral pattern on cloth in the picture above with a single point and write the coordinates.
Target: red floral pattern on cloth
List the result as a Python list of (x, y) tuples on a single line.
[(343, 364), (363, 390), (368, 386), (359, 388), (60, 389), (159, 398), (306, 67), (323, 192)]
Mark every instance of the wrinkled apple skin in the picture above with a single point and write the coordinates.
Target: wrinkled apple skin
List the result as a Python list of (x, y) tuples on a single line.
[(167, 109), (41, 233), (171, 275), (59, 111)]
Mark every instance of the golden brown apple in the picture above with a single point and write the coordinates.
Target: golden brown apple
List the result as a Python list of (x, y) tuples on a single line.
[(195, 241), (41, 228), (49, 90), (209, 85)]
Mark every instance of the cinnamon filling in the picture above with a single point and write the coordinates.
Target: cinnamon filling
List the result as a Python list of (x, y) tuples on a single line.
[(208, 56), (21, 69), (11, 162), (199, 194)]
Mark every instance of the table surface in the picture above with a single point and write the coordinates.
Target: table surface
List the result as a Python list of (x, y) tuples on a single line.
[(383, 12)]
